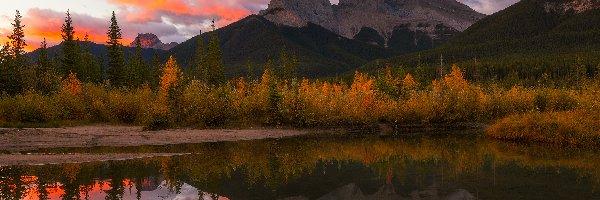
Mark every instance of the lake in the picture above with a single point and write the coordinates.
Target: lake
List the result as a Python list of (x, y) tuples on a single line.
[(442, 166)]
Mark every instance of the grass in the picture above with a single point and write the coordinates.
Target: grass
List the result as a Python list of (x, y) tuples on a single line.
[(568, 128)]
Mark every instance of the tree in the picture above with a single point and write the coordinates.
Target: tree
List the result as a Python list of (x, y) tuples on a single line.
[(171, 76), (137, 71), (70, 53), (91, 70), (199, 69), (14, 60), (214, 60), (288, 65), (155, 71), (17, 40), (116, 57), (47, 78)]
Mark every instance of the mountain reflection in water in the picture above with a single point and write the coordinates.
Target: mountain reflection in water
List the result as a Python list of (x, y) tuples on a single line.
[(422, 167)]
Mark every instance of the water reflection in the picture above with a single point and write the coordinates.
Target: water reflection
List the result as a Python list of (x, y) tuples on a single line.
[(440, 167)]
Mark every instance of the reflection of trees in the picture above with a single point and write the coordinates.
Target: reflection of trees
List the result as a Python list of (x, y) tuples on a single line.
[(275, 165)]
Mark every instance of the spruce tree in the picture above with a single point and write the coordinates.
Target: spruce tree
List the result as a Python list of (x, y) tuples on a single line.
[(214, 60), (70, 53), (5, 73), (17, 62), (116, 57), (91, 71), (155, 71), (288, 65), (47, 77), (137, 72), (199, 68)]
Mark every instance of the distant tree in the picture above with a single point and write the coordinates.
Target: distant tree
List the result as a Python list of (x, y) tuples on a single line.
[(598, 72), (214, 60), (70, 59), (116, 57), (47, 76), (251, 74), (199, 69), (288, 65), (155, 71), (137, 72), (91, 70)]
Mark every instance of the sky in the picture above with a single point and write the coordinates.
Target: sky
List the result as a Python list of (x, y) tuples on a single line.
[(170, 20)]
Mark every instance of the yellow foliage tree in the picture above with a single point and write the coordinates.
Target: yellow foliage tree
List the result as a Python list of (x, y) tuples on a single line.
[(455, 80), (71, 84), (171, 76), (408, 83)]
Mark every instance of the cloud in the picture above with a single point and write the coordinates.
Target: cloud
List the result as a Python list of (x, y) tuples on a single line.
[(488, 6)]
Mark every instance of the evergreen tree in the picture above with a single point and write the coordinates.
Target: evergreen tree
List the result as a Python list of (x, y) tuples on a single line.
[(116, 57), (16, 61), (5, 73), (251, 75), (47, 77), (598, 72), (70, 53), (214, 60), (138, 72), (288, 65), (199, 68), (91, 71), (155, 71)]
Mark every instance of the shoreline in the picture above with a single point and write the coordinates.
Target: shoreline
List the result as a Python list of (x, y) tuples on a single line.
[(14, 140)]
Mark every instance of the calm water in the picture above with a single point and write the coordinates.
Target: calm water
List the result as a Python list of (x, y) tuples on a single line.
[(416, 167)]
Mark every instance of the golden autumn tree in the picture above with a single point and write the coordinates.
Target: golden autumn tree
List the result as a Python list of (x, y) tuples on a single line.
[(171, 76), (71, 84), (409, 83)]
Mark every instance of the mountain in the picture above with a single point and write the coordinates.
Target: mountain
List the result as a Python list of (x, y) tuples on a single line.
[(332, 39), (256, 40), (100, 50), (546, 35), (151, 41), (387, 20)]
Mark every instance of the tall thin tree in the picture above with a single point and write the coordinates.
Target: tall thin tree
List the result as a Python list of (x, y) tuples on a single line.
[(69, 49), (214, 60), (116, 57)]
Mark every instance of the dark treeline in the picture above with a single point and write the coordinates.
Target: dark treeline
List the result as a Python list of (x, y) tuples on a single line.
[(115, 69)]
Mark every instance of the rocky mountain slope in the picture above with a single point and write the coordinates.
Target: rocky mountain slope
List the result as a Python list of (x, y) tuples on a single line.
[(151, 41), (437, 19), (549, 35)]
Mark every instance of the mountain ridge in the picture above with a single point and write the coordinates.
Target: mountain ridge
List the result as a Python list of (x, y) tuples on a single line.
[(349, 17)]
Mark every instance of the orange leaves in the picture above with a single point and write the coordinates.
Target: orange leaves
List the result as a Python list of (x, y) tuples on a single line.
[(362, 84), (171, 77), (455, 80), (409, 83), (71, 84)]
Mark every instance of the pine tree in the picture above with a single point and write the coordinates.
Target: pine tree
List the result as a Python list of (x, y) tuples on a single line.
[(155, 71), (116, 57), (199, 68), (91, 71), (214, 60), (47, 77), (17, 62), (288, 65), (137, 71), (251, 75), (5, 73), (70, 53)]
